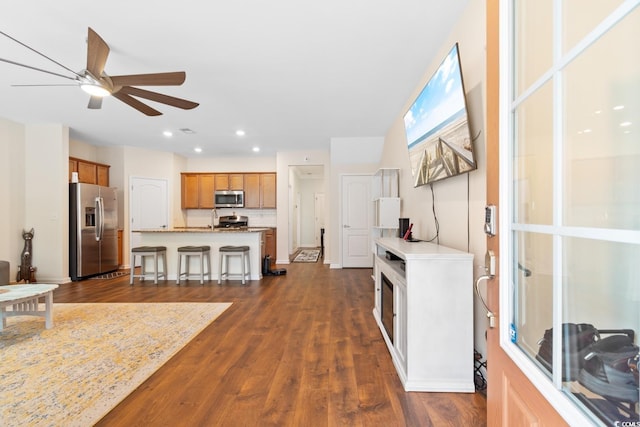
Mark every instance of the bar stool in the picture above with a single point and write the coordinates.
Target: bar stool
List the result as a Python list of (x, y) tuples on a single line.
[(225, 253), (203, 252), (148, 251)]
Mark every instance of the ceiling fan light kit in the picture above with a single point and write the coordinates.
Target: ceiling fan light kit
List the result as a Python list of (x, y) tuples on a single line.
[(94, 89), (94, 81)]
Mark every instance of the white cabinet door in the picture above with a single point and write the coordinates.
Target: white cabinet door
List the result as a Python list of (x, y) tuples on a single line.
[(400, 322)]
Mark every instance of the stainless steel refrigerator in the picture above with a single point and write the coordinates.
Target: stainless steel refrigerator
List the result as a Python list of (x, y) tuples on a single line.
[(93, 234)]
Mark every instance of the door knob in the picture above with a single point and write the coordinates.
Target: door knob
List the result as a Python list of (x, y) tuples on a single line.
[(346, 226)]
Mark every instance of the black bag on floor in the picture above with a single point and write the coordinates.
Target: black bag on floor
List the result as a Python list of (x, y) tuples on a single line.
[(608, 368), (576, 344)]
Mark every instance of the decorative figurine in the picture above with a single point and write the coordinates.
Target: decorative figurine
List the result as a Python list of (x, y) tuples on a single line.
[(26, 271)]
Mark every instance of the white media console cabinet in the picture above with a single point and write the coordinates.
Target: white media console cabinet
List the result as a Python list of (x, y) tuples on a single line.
[(424, 309)]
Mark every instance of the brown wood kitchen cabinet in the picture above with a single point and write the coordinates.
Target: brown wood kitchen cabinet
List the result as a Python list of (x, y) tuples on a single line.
[(229, 181), (102, 175), (270, 244), (89, 172), (260, 190), (197, 190), (206, 187)]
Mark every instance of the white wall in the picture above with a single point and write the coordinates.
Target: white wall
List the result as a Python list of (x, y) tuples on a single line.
[(12, 192), (459, 201), (84, 151), (34, 191), (47, 199), (231, 164)]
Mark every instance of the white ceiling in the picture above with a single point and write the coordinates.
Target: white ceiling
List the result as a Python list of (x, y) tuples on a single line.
[(291, 73)]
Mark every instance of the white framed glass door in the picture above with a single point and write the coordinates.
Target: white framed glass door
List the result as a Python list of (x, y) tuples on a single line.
[(570, 202)]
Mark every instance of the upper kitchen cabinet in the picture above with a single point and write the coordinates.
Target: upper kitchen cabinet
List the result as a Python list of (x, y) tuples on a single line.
[(229, 181), (89, 172), (197, 190), (260, 190), (206, 187)]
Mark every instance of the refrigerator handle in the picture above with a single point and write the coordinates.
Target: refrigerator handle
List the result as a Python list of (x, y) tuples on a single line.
[(99, 218)]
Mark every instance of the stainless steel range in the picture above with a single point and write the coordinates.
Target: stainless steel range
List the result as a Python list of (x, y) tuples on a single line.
[(233, 221)]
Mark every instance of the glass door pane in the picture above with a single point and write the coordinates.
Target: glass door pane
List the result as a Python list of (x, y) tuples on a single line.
[(602, 131)]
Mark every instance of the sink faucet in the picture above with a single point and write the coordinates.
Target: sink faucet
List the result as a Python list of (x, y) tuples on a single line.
[(214, 215)]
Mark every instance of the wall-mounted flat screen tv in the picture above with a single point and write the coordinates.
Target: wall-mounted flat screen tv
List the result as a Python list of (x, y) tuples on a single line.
[(437, 127)]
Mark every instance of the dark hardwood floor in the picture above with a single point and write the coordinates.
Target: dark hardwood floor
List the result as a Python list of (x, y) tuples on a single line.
[(295, 350)]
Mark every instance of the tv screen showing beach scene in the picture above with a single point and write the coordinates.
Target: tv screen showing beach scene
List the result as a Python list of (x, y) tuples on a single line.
[(437, 126)]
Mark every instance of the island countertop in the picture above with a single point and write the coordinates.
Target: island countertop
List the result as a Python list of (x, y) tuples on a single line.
[(204, 230), (175, 237)]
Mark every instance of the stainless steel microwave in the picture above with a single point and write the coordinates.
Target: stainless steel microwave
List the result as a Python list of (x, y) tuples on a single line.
[(229, 198)]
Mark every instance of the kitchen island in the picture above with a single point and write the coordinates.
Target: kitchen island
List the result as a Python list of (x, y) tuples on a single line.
[(173, 238)]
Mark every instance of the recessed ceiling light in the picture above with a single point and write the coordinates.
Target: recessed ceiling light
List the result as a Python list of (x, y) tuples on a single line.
[(198, 150), (167, 133), (240, 132), (256, 149), (618, 107), (625, 124)]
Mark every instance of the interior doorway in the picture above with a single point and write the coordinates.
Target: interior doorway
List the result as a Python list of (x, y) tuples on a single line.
[(319, 219), (305, 184)]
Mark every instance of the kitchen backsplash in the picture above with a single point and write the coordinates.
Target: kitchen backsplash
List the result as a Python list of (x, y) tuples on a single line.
[(257, 217)]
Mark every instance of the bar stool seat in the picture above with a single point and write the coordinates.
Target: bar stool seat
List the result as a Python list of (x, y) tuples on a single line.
[(157, 252), (203, 252), (228, 251)]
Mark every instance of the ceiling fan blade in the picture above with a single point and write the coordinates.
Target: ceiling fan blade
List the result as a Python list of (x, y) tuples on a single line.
[(159, 97), (132, 102), (154, 79), (8, 61), (97, 53), (74, 85), (95, 103), (41, 54)]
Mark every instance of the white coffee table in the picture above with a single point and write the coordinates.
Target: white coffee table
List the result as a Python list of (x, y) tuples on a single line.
[(24, 300)]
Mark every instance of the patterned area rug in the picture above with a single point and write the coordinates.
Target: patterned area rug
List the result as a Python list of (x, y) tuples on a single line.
[(307, 255), (92, 358)]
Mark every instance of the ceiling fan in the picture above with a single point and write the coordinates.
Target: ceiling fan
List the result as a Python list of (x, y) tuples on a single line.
[(98, 84)]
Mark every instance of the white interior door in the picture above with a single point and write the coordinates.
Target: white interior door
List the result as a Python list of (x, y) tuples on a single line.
[(149, 206), (356, 221)]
